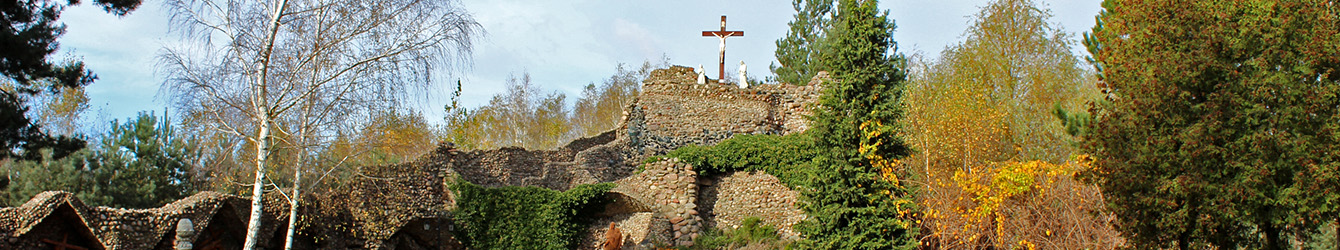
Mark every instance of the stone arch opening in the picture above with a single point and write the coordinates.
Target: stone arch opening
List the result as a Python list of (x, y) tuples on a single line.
[(63, 228), (621, 203), (226, 230), (423, 233)]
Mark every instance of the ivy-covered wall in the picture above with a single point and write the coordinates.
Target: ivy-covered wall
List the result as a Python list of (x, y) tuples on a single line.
[(524, 217)]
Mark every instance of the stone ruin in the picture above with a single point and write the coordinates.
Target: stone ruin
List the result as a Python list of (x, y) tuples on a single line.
[(56, 218), (407, 205)]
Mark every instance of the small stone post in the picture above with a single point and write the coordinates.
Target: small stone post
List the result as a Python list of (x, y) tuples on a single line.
[(184, 232)]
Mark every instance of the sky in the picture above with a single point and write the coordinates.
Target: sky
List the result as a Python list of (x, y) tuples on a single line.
[(563, 45)]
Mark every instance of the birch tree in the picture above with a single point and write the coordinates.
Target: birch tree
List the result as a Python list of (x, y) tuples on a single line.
[(601, 106), (523, 116), (994, 161), (300, 67)]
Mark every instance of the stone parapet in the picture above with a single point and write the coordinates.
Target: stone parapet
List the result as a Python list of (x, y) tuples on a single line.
[(673, 110), (603, 158)]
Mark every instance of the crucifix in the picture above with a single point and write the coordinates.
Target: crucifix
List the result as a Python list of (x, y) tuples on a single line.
[(722, 34)]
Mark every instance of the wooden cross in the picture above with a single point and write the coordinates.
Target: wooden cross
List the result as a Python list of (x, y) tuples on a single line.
[(722, 34)]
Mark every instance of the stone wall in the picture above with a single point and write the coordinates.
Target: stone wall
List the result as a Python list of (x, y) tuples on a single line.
[(407, 205), (673, 110), (679, 205), (660, 205), (669, 187), (729, 199), (641, 230), (603, 158), (377, 212)]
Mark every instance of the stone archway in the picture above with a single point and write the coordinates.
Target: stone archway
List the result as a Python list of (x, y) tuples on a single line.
[(63, 228), (423, 233), (622, 203), (637, 219), (224, 231)]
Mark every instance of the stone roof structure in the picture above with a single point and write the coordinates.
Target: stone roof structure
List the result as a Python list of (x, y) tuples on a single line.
[(59, 216), (407, 205)]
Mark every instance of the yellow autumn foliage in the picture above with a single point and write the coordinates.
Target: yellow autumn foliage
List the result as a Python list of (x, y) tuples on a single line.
[(1016, 205), (993, 163)]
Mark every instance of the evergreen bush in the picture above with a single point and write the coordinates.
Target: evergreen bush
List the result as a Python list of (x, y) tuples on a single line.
[(786, 157), (524, 217), (752, 232)]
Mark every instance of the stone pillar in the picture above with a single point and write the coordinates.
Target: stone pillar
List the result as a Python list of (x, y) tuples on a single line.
[(184, 232)]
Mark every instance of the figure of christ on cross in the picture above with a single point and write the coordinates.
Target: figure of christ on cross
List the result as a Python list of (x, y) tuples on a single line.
[(722, 34)]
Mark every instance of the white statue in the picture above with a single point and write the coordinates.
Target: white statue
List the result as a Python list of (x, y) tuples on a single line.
[(744, 82), (702, 76)]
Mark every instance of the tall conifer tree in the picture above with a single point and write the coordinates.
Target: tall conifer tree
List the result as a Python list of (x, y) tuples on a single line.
[(857, 201), (28, 34), (798, 52), (1220, 125)]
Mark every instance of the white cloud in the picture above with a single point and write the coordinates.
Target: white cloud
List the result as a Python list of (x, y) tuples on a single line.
[(121, 51), (645, 43)]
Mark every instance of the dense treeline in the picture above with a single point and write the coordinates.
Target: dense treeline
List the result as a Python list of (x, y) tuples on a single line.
[(526, 116), (1210, 131), (1218, 129), (141, 163)]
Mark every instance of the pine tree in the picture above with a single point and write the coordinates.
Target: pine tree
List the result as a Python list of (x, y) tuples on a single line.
[(1220, 126), (798, 52), (142, 163), (28, 34), (48, 173), (857, 201), (139, 164)]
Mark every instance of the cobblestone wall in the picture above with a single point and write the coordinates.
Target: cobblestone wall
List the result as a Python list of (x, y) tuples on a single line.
[(370, 213), (603, 158), (728, 200), (673, 110), (60, 217), (661, 206), (670, 188)]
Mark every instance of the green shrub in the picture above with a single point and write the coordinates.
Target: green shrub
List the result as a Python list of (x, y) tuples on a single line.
[(751, 232), (712, 238), (525, 217), (786, 157)]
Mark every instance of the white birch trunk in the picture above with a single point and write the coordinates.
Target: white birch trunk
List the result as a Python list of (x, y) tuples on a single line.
[(293, 208), (263, 113), (262, 151), (303, 134), (432, 24)]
